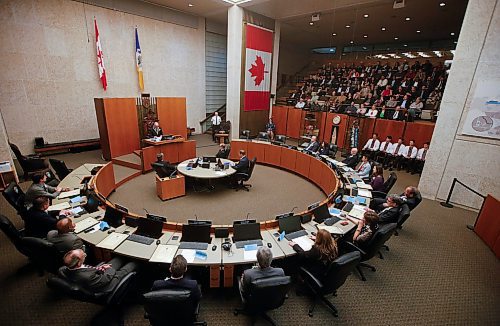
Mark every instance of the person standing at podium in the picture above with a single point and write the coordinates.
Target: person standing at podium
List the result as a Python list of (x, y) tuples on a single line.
[(156, 131), (216, 120)]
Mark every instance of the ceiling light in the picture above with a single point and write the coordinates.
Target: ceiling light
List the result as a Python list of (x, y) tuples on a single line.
[(311, 23), (396, 38), (334, 34), (352, 42), (365, 48), (365, 36), (190, 5), (418, 31), (452, 34), (365, 15), (407, 19), (331, 50), (405, 45), (347, 26), (442, 4), (383, 28)]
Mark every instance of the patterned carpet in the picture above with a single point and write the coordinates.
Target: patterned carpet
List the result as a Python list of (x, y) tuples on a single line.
[(436, 272)]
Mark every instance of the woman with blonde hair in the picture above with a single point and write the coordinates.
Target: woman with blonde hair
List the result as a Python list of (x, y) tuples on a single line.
[(323, 252)]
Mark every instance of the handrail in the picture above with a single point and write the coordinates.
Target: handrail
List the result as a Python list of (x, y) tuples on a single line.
[(212, 114)]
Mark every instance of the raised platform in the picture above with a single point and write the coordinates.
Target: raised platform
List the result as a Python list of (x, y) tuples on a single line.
[(129, 160), (124, 174)]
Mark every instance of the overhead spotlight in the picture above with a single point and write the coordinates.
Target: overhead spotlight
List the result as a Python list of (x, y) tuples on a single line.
[(452, 34), (352, 42), (190, 5), (418, 31), (347, 26), (405, 45), (442, 4), (383, 28), (396, 38), (365, 48), (423, 54), (407, 19), (311, 23), (366, 15), (334, 34), (365, 36)]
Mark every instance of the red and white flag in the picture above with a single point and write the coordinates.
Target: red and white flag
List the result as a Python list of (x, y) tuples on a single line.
[(100, 59), (259, 48)]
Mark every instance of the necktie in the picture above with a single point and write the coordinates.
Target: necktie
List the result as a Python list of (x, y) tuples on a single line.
[(361, 167), (397, 149), (410, 150), (385, 147), (395, 116), (373, 143), (423, 154)]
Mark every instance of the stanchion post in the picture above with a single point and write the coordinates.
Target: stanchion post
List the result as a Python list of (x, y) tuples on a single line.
[(447, 202)]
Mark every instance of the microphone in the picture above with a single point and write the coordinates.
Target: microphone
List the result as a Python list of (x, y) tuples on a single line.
[(294, 208), (196, 217), (248, 214)]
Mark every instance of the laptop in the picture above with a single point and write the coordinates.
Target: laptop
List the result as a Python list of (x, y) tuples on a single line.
[(149, 228), (195, 236), (292, 227), (246, 234), (321, 213)]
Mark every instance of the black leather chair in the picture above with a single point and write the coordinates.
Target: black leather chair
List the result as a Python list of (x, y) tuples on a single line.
[(171, 307), (280, 139), (113, 299), (241, 177), (15, 236), (418, 200), (15, 197), (264, 295), (373, 246), (42, 254), (263, 136), (60, 167), (51, 179), (30, 164), (332, 150), (334, 278), (388, 184), (245, 134)]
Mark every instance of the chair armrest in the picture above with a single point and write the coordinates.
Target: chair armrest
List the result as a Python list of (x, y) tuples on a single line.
[(378, 194), (311, 278), (121, 289), (356, 247)]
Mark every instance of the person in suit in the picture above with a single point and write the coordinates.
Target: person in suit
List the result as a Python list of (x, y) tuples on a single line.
[(409, 196), (313, 146), (223, 151), (64, 238), (243, 164), (364, 167), (37, 222), (155, 131), (390, 213), (263, 270), (101, 278), (322, 254), (323, 149), (177, 280), (353, 159), (39, 188)]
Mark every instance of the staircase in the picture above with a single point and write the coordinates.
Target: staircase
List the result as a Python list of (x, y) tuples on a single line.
[(284, 91)]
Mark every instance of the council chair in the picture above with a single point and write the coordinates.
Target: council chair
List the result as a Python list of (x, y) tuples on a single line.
[(245, 134), (332, 150), (15, 197), (61, 284), (61, 169), (373, 246), (30, 164), (388, 184), (279, 140), (42, 254), (264, 295), (171, 307), (263, 136), (331, 280), (15, 235), (241, 177)]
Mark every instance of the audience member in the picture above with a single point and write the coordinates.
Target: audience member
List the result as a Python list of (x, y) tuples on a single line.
[(64, 238), (37, 222), (384, 149), (408, 157), (39, 188), (393, 155), (371, 146), (353, 159), (418, 163)]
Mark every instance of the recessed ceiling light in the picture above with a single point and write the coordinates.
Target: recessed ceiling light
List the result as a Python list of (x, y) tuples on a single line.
[(366, 15), (365, 48), (418, 31), (365, 36), (383, 28), (311, 23), (405, 45), (407, 19), (452, 34), (190, 5), (442, 4), (352, 42), (396, 38), (334, 34), (347, 26), (455, 42)]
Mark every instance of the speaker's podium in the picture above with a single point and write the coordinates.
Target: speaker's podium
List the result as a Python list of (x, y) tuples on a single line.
[(168, 188)]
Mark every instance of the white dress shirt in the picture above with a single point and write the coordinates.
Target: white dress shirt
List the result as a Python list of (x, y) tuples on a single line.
[(369, 147), (395, 151), (216, 120), (384, 149), (300, 105), (364, 169), (420, 154), (410, 152), (371, 113)]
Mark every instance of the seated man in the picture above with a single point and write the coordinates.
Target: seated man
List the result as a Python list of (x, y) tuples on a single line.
[(264, 270), (393, 154), (37, 222), (101, 278), (371, 146), (408, 196), (384, 149), (300, 104), (223, 152), (390, 213), (408, 156), (177, 280), (313, 146), (40, 188), (418, 163), (353, 159), (270, 128), (64, 238), (364, 168), (243, 164), (155, 131)]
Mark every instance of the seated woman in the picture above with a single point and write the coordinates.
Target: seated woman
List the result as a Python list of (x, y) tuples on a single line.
[(323, 149), (323, 252), (377, 181), (366, 228)]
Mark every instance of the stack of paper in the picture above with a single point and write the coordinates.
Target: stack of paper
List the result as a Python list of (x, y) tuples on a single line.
[(85, 224), (59, 206), (332, 229), (68, 194), (163, 254), (357, 212), (304, 242), (189, 254), (112, 241), (365, 193)]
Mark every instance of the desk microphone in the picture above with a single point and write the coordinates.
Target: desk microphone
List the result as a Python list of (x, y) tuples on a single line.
[(146, 211), (248, 214), (196, 217), (294, 208)]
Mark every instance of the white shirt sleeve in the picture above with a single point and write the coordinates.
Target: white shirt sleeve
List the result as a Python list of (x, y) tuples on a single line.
[(377, 145), (420, 152), (413, 152), (367, 145), (402, 150)]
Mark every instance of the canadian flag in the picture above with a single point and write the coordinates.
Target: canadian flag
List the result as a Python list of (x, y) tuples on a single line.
[(259, 48), (100, 59)]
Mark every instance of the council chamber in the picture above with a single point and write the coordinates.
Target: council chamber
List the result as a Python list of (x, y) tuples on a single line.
[(258, 162)]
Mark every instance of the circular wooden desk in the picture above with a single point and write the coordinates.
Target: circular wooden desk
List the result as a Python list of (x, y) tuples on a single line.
[(205, 173)]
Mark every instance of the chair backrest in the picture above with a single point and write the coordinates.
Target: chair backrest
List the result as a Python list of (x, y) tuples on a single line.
[(61, 284), (251, 167), (332, 148), (393, 177), (263, 136), (339, 270), (170, 307), (404, 213), (383, 234), (43, 254), (228, 151), (267, 293), (20, 157), (280, 139), (418, 199), (61, 169), (11, 232), (15, 196)]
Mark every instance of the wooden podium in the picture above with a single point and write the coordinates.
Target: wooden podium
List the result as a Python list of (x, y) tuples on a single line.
[(167, 188)]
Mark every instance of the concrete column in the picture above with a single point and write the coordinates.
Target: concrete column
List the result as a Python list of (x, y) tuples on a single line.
[(472, 160), (234, 46), (276, 55), (4, 144)]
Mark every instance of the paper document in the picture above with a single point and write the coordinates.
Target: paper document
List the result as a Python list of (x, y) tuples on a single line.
[(70, 193), (59, 206), (332, 229), (364, 193), (250, 254), (357, 212), (163, 254), (189, 254), (85, 224), (304, 242), (76, 199), (77, 210), (112, 241), (363, 185), (220, 173)]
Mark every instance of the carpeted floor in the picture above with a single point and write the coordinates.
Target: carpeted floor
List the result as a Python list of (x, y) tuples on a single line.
[(436, 272)]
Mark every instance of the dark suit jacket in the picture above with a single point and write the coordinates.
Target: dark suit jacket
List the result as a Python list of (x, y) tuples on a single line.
[(312, 147), (253, 274), (153, 133), (183, 283), (411, 202), (222, 153), (351, 160), (94, 280), (65, 242), (38, 223), (243, 165), (389, 215)]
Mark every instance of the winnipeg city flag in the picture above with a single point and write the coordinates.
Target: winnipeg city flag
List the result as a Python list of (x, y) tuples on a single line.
[(138, 61)]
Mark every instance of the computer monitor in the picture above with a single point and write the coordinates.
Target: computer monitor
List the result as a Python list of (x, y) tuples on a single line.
[(92, 204), (164, 169), (313, 206), (156, 217), (244, 222), (113, 217), (149, 228), (306, 218), (290, 224), (196, 233), (132, 221), (200, 222), (248, 231), (321, 213), (209, 159)]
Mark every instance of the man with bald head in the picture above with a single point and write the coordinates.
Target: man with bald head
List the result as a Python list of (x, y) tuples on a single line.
[(64, 238), (101, 278), (353, 159)]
